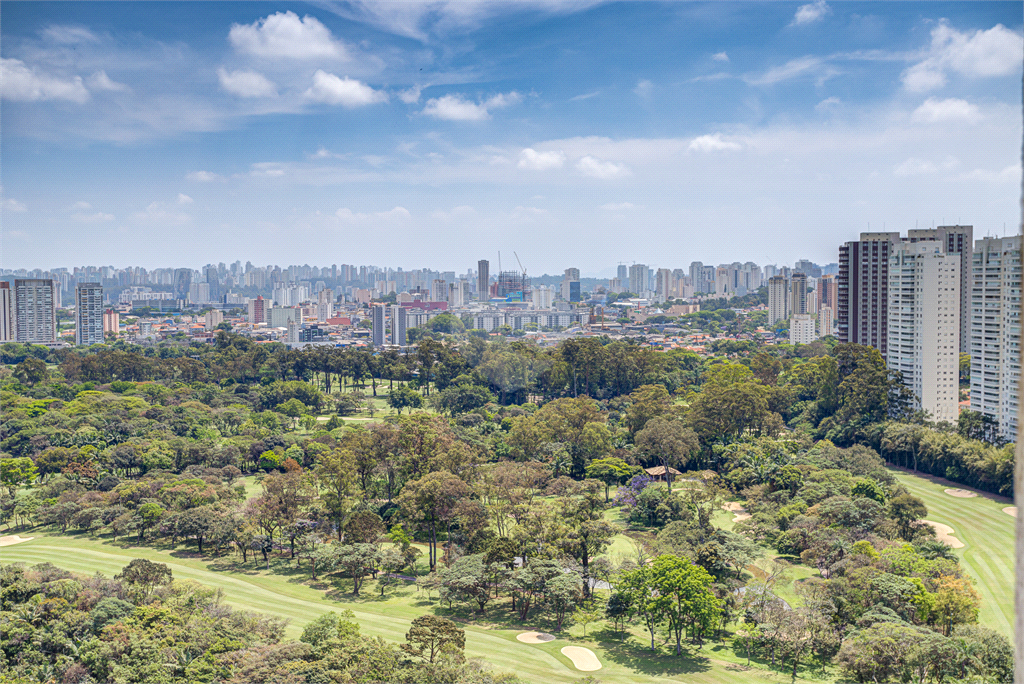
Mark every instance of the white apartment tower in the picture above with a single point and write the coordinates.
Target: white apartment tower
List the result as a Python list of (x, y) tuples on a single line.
[(6, 313), (801, 329), (995, 331), (439, 291), (639, 275), (778, 299), (399, 326), (35, 313), (924, 325), (88, 313)]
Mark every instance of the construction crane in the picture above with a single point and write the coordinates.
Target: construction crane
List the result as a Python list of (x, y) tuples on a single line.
[(520, 264)]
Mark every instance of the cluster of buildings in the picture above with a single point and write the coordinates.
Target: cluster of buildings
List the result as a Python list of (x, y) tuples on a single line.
[(28, 312), (924, 299)]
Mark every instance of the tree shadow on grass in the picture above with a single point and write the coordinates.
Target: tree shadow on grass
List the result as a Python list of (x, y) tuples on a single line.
[(659, 663)]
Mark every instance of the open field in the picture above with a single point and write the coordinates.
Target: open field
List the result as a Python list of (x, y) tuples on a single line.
[(284, 592), (988, 536)]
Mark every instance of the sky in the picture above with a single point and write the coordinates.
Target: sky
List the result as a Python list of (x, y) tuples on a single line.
[(433, 134)]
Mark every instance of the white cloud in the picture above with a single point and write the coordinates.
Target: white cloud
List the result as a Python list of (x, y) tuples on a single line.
[(1009, 174), (98, 217), (585, 96), (456, 213), (184, 199), (69, 35), (541, 161), (916, 167), (791, 69), (25, 84), (158, 213), (712, 143), (100, 81), (246, 83), (644, 88), (346, 92), (204, 177), (284, 34), (411, 95), (952, 109), (720, 57), (521, 212), (11, 204), (808, 14), (828, 103), (398, 213), (596, 168), (81, 206), (621, 206), (455, 108), (993, 52)]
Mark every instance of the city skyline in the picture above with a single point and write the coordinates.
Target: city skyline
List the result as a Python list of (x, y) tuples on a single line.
[(439, 134)]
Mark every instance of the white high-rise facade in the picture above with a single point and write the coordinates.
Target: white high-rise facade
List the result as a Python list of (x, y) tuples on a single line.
[(801, 329), (35, 312), (89, 313), (399, 326), (778, 299), (639, 275), (995, 331), (924, 325), (6, 313)]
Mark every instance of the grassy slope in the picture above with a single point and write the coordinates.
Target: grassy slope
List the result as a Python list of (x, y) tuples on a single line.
[(988, 537), (284, 593)]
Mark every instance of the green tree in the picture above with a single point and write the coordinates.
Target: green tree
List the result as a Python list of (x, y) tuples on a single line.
[(610, 470), (31, 371), (430, 634), (668, 442), (145, 574), (403, 397), (906, 509), (683, 597), (15, 472)]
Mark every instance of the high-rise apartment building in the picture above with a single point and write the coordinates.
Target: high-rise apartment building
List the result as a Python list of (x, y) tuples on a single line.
[(801, 329), (954, 240), (639, 274), (826, 321), (797, 294), (722, 285), (483, 280), (664, 282), (111, 322), (88, 313), (572, 275), (6, 313), (863, 282), (259, 310), (399, 326), (827, 292), (622, 273), (35, 313), (439, 290), (778, 299), (924, 325), (212, 319), (995, 331), (377, 318)]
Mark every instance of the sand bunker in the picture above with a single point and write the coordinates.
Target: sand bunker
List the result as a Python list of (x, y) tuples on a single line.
[(961, 493), (737, 508), (13, 539), (535, 637), (1010, 510), (583, 658), (944, 533)]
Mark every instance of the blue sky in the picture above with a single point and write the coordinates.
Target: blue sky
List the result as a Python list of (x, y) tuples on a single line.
[(433, 134)]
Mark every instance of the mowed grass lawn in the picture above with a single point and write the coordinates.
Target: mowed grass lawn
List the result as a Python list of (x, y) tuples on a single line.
[(988, 537), (283, 592)]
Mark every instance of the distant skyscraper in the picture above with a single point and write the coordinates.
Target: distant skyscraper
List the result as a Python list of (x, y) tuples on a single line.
[(212, 319), (778, 299), (35, 313), (483, 280), (377, 318), (801, 329), (639, 274), (722, 288), (797, 294), (6, 313), (182, 282), (924, 325), (399, 323), (826, 321), (574, 291), (439, 291), (995, 331), (572, 275), (111, 322), (827, 292), (88, 313), (622, 273), (259, 309)]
